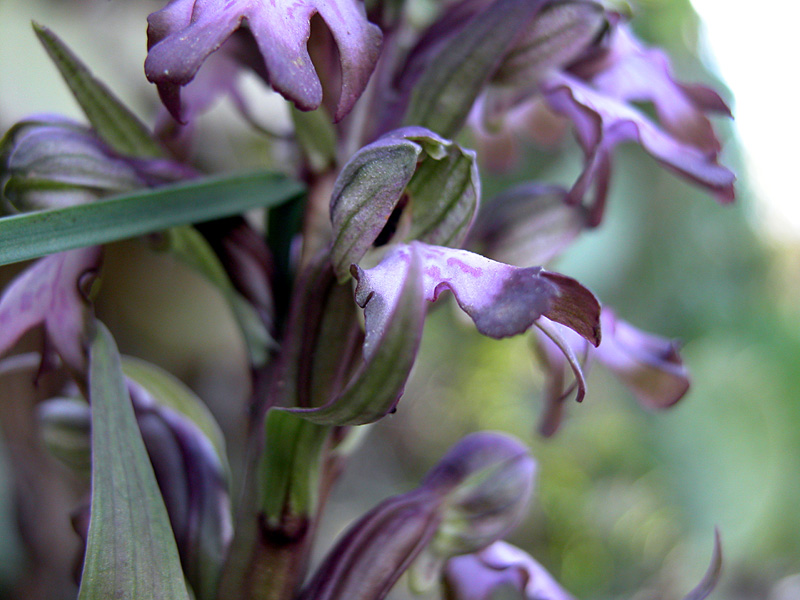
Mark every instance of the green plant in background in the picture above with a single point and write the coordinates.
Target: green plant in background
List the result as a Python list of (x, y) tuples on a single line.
[(378, 217)]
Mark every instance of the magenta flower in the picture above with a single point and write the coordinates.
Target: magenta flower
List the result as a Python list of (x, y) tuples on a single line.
[(184, 33)]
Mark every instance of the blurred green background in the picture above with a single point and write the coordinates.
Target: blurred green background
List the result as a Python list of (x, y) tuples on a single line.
[(627, 500)]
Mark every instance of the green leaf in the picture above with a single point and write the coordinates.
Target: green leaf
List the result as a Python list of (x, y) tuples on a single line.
[(444, 94), (289, 467), (137, 213), (112, 120), (191, 247), (131, 551)]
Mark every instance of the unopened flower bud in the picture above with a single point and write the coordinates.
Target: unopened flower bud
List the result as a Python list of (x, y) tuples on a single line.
[(193, 483), (476, 494), (50, 162), (486, 480), (411, 165)]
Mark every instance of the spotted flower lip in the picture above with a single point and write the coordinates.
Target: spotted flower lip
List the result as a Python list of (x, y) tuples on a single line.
[(184, 33)]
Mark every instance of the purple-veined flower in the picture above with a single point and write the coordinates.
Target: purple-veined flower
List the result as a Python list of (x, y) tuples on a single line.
[(184, 33)]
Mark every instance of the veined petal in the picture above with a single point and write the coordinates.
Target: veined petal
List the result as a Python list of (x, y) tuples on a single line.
[(55, 292), (501, 299), (601, 122), (477, 576), (185, 32)]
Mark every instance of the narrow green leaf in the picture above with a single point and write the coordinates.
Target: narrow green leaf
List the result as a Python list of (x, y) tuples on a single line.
[(187, 244), (137, 213), (112, 120), (444, 94), (131, 551)]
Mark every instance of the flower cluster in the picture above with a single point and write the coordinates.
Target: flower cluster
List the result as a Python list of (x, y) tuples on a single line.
[(331, 297)]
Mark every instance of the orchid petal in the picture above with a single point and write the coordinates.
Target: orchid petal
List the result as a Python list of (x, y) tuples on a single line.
[(601, 122), (184, 33), (54, 292), (649, 365), (477, 576), (629, 71), (501, 299)]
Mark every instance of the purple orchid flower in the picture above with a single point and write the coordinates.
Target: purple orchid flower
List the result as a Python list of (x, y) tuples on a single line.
[(501, 299), (625, 69), (184, 33), (54, 292), (501, 565), (650, 366), (602, 121)]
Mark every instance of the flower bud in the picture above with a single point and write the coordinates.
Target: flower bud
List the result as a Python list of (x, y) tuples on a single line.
[(413, 166), (530, 224), (50, 162), (486, 481), (190, 473), (476, 494)]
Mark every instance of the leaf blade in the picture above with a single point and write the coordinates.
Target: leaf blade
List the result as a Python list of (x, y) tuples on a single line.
[(137, 213), (112, 120), (131, 551)]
